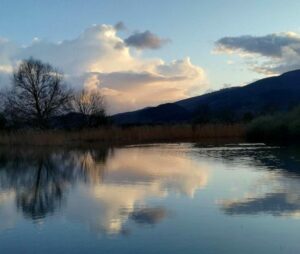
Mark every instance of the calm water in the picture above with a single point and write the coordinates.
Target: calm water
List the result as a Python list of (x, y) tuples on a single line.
[(154, 199)]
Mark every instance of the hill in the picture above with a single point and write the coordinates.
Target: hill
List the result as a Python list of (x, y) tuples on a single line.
[(267, 95)]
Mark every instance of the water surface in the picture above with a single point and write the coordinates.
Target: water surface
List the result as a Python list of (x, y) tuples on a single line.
[(179, 198)]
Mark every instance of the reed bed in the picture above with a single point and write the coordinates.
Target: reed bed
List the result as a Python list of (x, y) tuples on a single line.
[(121, 135)]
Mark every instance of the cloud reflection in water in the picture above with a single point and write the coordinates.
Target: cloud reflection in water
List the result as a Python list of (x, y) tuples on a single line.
[(98, 188)]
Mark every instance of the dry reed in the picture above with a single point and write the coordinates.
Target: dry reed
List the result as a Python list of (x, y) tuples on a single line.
[(120, 136)]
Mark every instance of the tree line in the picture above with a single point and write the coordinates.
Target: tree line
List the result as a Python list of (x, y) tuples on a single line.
[(38, 94)]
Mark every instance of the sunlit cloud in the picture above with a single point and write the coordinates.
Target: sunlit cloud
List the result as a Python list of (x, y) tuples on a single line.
[(99, 55)]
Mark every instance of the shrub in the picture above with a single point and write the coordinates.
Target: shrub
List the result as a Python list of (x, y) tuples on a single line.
[(277, 127)]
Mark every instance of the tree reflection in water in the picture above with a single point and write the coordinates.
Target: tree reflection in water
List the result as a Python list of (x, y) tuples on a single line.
[(40, 178)]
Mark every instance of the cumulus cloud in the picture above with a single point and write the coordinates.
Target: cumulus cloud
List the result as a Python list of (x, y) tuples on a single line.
[(101, 59), (145, 40), (278, 52)]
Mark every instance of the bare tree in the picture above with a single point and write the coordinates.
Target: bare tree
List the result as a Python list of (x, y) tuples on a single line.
[(38, 93), (2, 117), (91, 104)]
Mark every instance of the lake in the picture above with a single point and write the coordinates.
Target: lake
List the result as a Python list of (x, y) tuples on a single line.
[(171, 198)]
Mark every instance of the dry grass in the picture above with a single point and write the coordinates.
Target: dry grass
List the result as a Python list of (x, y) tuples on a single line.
[(120, 136)]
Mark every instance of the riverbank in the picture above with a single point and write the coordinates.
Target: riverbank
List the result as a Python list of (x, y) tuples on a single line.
[(125, 136)]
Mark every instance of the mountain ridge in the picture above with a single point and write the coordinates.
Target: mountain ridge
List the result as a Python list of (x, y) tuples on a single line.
[(277, 93)]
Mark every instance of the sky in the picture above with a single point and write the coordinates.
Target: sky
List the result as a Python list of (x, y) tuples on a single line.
[(143, 53)]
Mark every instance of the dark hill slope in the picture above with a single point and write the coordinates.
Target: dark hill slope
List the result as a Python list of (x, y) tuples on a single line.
[(164, 113), (266, 95)]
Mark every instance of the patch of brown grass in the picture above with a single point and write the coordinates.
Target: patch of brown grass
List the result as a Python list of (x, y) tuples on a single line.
[(129, 135)]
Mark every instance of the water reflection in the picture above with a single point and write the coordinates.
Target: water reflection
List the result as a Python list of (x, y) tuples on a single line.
[(277, 192), (106, 189), (131, 177), (163, 198), (149, 216), (39, 179), (100, 188), (277, 204)]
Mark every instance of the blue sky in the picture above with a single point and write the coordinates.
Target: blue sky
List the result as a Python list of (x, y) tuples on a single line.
[(192, 26)]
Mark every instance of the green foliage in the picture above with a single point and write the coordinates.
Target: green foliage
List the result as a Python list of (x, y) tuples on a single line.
[(276, 127)]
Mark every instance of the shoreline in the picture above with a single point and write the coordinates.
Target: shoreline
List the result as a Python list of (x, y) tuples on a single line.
[(111, 136)]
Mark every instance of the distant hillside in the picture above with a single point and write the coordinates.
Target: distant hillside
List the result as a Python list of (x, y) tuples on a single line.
[(267, 95)]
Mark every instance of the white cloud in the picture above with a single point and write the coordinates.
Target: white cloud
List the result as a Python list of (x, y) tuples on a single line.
[(99, 57)]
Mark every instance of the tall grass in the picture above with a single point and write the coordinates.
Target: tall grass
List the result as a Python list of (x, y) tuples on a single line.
[(129, 135)]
